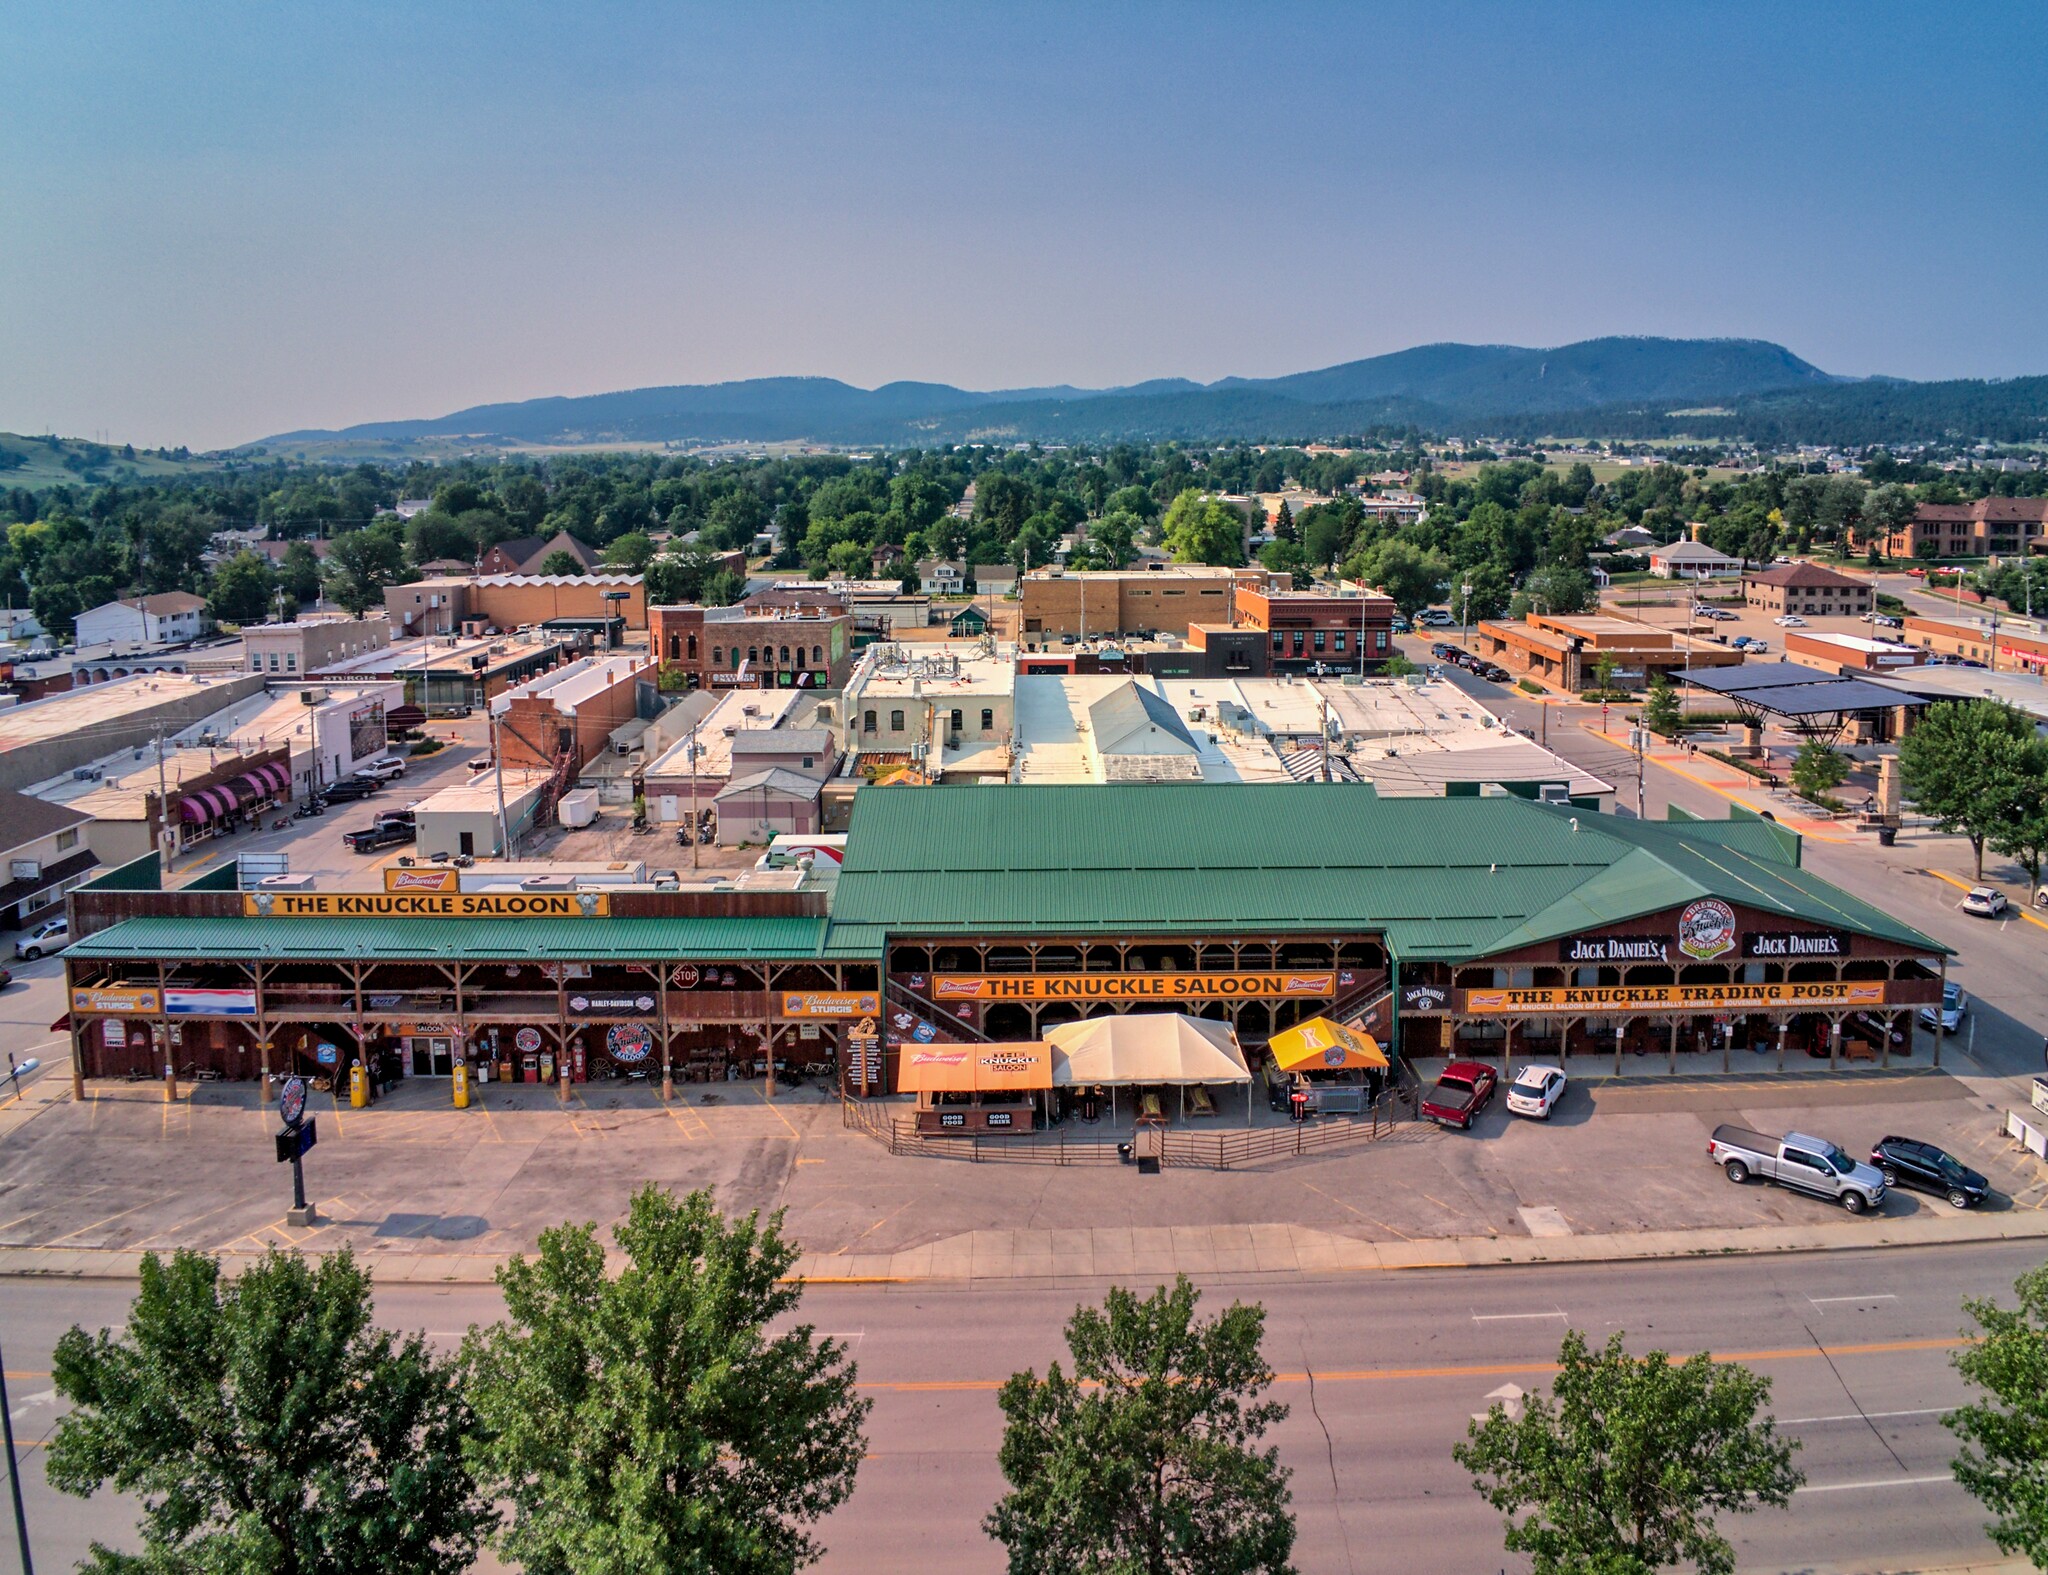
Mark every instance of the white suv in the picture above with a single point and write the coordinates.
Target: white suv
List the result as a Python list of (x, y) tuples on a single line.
[(44, 940), (382, 770)]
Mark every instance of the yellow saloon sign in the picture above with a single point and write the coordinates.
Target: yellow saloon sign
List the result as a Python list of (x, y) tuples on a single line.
[(1818, 995), (425, 905)]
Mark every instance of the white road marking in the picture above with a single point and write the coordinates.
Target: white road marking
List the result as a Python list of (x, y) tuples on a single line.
[(1510, 1317), (1852, 1416), (1857, 1487), (1881, 1296)]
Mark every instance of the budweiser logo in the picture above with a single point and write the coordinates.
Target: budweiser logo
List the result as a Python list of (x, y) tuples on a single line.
[(938, 1058), (958, 987), (1317, 982)]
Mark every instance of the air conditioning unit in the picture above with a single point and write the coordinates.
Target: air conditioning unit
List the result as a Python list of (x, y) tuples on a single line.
[(1553, 793), (93, 773)]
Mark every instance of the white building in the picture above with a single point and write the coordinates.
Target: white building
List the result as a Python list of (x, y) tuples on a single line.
[(167, 618), (1693, 560)]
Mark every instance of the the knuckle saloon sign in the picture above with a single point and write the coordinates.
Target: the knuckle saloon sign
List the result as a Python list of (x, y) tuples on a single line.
[(1130, 986)]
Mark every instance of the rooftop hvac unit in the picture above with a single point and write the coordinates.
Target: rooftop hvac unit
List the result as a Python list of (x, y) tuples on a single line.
[(1492, 790), (93, 773), (1553, 793)]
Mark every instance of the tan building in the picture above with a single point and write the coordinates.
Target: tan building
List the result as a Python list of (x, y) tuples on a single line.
[(572, 712), (1115, 603), (1567, 652), (1989, 527), (2017, 645), (1807, 588), (512, 601), (291, 650)]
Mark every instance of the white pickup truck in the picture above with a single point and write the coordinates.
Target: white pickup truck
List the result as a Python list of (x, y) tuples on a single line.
[(1808, 1164)]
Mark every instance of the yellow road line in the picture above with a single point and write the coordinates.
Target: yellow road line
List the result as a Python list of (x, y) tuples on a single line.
[(779, 1116), (1965, 886)]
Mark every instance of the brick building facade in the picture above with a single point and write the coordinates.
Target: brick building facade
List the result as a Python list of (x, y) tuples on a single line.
[(747, 648)]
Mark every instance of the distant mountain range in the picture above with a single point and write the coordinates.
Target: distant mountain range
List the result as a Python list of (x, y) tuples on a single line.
[(1613, 387)]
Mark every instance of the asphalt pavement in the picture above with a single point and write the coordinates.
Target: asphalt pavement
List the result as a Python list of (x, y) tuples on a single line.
[(1382, 1373)]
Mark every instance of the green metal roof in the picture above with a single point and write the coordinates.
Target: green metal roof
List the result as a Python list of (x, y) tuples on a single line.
[(459, 940), (1443, 878)]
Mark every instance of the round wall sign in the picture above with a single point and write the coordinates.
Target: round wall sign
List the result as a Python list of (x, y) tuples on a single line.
[(527, 1039), (1706, 929), (628, 1042), (291, 1102)]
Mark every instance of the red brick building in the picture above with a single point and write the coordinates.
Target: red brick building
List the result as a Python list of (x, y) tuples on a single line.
[(1989, 527), (1308, 630), (747, 648)]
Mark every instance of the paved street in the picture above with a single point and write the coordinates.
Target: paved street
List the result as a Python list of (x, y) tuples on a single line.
[(1381, 1371)]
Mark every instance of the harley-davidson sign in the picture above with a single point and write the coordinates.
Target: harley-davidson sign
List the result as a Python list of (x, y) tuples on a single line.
[(1128, 986)]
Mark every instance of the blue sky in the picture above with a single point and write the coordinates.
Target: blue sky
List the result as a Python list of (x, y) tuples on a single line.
[(227, 220)]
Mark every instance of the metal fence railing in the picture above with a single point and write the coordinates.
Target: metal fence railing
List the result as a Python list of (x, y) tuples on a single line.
[(1216, 1149)]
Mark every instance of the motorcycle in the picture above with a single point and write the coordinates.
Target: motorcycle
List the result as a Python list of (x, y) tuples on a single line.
[(405, 861), (282, 823)]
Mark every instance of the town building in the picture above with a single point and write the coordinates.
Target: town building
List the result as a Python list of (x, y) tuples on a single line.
[(464, 818), (47, 855), (714, 742), (1568, 652), (1692, 560), (945, 708), (68, 731), (1488, 926), (1988, 527), (1808, 589), (526, 554), (291, 650), (559, 721), (477, 604), (1120, 603), (744, 648), (1844, 653), (2012, 645), (450, 673), (167, 618), (1314, 632)]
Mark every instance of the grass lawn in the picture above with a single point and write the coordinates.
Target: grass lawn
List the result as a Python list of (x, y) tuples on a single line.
[(43, 466)]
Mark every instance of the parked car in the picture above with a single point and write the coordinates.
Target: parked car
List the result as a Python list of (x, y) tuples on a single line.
[(1443, 650), (1949, 1016), (1435, 618), (1493, 672), (1798, 1161), (385, 834), (1907, 1162), (1401, 625), (386, 770), (1536, 1090), (349, 789), (1985, 902), (6, 978), (45, 940), (1790, 621), (1462, 1090)]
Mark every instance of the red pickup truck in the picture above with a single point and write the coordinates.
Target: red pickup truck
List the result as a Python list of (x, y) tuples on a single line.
[(1461, 1092)]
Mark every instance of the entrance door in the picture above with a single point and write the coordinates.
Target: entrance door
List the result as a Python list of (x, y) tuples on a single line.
[(438, 1050), (466, 843), (422, 1057)]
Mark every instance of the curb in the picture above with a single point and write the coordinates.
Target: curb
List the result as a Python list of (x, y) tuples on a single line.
[(1279, 1249)]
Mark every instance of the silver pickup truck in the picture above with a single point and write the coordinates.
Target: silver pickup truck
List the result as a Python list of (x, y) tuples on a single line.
[(1809, 1164)]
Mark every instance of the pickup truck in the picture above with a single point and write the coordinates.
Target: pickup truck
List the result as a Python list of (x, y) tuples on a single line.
[(1461, 1092), (1808, 1164), (385, 834)]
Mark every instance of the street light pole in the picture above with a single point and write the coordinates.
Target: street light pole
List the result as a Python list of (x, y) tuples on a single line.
[(14, 1474)]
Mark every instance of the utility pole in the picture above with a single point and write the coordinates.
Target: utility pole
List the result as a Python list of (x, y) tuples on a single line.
[(14, 1475), (693, 796), (498, 776), (166, 837), (1639, 738)]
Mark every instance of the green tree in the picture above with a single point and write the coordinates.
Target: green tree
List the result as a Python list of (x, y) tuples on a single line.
[(1199, 529), (2020, 831), (1817, 770), (2004, 1436), (1396, 666), (299, 572), (631, 552), (1560, 590), (1146, 1460), (267, 1425), (1412, 576), (648, 1420), (561, 561), (1622, 1467), (1956, 773), (1661, 713), (360, 563), (243, 589)]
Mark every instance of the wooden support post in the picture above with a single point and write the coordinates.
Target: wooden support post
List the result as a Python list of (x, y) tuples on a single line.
[(1671, 1065), (1784, 1026), (1834, 1043), (1941, 1001)]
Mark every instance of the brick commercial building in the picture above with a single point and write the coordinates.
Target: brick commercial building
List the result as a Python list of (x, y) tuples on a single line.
[(1567, 652), (513, 601), (744, 648), (1310, 632), (571, 713), (291, 650), (1112, 604), (1989, 527), (1807, 588), (2012, 645)]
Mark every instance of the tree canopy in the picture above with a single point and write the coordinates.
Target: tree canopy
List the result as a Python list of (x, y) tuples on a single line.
[(2004, 1435), (1145, 1460), (267, 1425), (1973, 766)]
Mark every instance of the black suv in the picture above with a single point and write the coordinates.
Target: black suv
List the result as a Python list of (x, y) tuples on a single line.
[(1906, 1162)]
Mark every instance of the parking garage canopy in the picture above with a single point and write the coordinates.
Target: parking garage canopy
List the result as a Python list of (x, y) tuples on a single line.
[(1813, 703)]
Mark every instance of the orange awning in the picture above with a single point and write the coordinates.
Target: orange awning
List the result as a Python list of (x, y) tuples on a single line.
[(975, 1069), (1321, 1045)]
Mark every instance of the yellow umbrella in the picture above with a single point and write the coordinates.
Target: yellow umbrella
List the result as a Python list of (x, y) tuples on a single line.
[(1320, 1045)]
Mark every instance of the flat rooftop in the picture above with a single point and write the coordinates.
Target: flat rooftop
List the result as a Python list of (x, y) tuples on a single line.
[(568, 687), (738, 711), (479, 795), (80, 710), (266, 721), (938, 669), (431, 654)]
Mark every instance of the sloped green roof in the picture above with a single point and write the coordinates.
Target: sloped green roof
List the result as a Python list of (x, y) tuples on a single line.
[(458, 940), (1443, 878)]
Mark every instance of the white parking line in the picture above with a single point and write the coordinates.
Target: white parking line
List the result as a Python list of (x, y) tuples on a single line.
[(1857, 1487), (1854, 1416), (1510, 1317), (1881, 1296)]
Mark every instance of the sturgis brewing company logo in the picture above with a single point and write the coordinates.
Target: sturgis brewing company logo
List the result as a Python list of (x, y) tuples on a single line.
[(1706, 929)]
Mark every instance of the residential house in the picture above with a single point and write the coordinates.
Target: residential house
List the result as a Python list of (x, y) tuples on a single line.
[(47, 855), (525, 554), (1692, 560), (167, 618), (1807, 588)]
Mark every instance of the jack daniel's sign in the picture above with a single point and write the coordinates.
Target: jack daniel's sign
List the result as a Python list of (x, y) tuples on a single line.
[(1617, 949)]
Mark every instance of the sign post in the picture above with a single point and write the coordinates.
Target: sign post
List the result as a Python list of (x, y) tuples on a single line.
[(300, 1133)]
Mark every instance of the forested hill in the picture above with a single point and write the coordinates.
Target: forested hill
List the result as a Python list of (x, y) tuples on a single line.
[(1613, 387)]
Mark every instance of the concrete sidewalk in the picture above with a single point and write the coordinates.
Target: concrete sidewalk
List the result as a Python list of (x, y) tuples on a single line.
[(1202, 1251)]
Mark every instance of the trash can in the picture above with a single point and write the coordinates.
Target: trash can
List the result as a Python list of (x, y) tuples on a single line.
[(1887, 836)]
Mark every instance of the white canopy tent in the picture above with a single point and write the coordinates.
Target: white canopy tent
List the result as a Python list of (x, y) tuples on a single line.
[(1146, 1049)]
